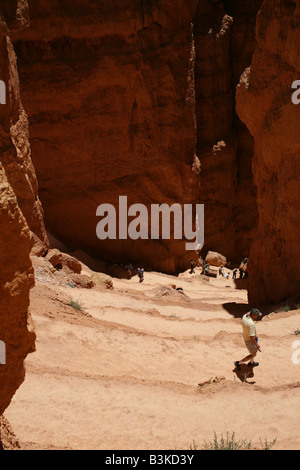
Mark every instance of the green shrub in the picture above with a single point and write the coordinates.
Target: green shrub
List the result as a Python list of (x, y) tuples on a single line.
[(76, 305)]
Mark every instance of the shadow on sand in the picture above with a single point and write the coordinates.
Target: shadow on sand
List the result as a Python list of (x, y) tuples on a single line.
[(237, 310), (244, 373), (241, 283), (114, 270)]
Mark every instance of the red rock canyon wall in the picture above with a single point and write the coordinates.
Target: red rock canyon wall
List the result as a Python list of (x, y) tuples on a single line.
[(224, 42), (134, 98), (18, 199), (109, 90), (264, 104)]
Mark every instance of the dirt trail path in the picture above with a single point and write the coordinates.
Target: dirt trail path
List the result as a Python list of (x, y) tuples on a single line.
[(124, 373)]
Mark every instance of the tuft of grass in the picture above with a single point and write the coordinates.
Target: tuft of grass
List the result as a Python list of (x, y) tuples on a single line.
[(173, 315), (265, 445), (297, 332), (227, 443), (76, 305), (194, 446)]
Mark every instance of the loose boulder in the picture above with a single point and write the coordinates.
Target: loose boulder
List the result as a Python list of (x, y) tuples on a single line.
[(215, 259), (63, 261), (81, 280), (102, 280)]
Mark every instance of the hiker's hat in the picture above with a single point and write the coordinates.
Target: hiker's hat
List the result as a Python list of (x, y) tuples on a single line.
[(255, 311)]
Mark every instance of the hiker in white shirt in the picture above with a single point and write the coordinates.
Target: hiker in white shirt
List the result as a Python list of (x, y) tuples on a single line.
[(250, 338)]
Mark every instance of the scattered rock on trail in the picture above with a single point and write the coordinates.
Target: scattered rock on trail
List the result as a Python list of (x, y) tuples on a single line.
[(171, 293), (82, 280), (43, 270), (211, 381), (102, 280), (8, 440)]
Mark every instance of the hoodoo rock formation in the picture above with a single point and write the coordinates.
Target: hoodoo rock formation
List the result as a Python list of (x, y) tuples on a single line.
[(18, 199), (264, 103)]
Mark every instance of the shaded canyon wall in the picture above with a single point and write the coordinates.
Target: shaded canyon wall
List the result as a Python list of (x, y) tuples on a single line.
[(125, 100), (264, 103), (109, 90), (224, 35), (18, 197)]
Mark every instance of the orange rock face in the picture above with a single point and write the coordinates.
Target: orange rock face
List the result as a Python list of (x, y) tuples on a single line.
[(264, 103), (16, 280), (137, 99), (14, 129), (63, 261), (18, 197), (109, 92), (122, 108)]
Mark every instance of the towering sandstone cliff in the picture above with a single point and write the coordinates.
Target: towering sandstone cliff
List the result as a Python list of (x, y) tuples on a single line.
[(224, 35), (125, 98), (138, 99), (18, 198), (109, 90), (264, 104), (15, 149), (16, 279)]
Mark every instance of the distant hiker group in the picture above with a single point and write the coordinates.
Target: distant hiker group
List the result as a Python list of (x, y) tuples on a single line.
[(129, 267), (207, 269), (212, 270)]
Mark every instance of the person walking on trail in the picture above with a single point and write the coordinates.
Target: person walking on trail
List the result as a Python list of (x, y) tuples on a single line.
[(206, 269), (140, 272), (250, 338), (130, 267), (192, 267)]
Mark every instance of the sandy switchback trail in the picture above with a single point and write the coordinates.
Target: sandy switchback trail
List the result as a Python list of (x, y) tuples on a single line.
[(124, 373)]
